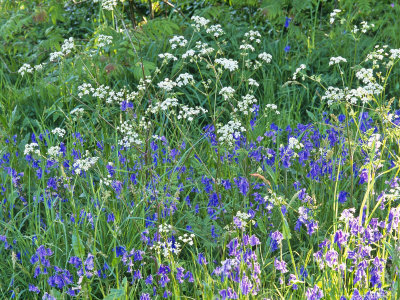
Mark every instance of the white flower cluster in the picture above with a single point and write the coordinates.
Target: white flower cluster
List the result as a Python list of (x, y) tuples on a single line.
[(246, 105), (203, 49), (177, 40), (240, 222), (294, 143), (333, 95), (105, 92), (167, 57), (272, 107), (215, 30), (106, 181), (184, 79), (299, 69), (167, 248), (66, 48), (364, 27), (85, 163), (104, 40), (190, 53), (54, 151), (165, 105), (199, 22), (365, 75), (187, 239), (167, 85), (253, 82), (31, 148), (59, 132), (164, 228), (26, 68), (227, 92), (130, 137), (246, 47), (107, 4), (77, 113), (333, 15), (229, 132), (253, 35), (228, 64), (336, 60), (253, 65), (273, 198), (394, 54), (39, 67), (266, 57), (374, 141), (187, 113), (365, 93)]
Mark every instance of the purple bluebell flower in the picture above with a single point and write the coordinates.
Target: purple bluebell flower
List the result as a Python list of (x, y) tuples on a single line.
[(242, 184), (363, 176), (287, 22), (75, 261), (202, 259), (343, 196), (276, 239), (280, 266), (34, 289), (331, 258), (110, 218), (314, 293), (145, 296)]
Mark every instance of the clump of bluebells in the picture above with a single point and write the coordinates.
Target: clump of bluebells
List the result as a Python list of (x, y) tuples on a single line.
[(225, 201)]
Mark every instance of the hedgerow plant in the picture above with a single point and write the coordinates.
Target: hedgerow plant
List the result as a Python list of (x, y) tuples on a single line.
[(193, 183)]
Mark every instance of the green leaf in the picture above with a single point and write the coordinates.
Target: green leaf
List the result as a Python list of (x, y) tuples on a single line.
[(115, 294), (285, 229), (77, 245)]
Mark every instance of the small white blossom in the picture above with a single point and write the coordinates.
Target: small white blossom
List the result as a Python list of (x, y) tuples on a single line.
[(177, 40), (184, 79), (104, 40), (246, 105), (59, 132), (333, 15), (228, 64), (229, 132), (199, 22), (187, 113), (266, 57), (130, 137), (167, 56), (253, 82), (227, 92), (299, 69), (85, 163), (336, 60), (167, 85), (31, 148), (216, 30), (54, 151), (26, 68)]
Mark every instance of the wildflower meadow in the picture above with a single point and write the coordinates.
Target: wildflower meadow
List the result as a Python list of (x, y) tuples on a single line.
[(202, 149)]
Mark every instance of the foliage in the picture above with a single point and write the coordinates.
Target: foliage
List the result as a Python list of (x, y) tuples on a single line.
[(176, 156)]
